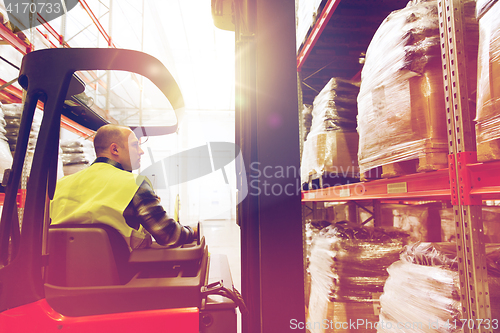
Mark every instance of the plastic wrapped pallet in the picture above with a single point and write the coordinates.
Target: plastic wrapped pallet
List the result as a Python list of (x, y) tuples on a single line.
[(76, 155), (401, 93), (312, 229), (5, 154), (306, 120), (12, 114), (348, 269), (488, 86), (332, 143), (306, 12), (335, 107), (4, 19), (491, 224), (422, 292), (420, 221)]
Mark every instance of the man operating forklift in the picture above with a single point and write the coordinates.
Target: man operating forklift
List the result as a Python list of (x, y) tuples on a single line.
[(80, 274), (108, 192)]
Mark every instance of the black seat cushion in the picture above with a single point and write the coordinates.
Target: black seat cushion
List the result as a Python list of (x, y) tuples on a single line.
[(87, 255)]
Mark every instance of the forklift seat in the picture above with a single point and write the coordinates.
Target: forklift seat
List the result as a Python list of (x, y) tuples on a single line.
[(87, 255), (91, 271)]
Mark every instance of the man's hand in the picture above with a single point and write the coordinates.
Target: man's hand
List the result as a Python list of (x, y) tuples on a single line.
[(196, 233)]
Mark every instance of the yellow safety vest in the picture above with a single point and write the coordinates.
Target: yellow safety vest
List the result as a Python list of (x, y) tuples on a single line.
[(98, 194)]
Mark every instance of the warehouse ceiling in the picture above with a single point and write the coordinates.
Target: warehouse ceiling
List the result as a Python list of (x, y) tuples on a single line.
[(182, 36), (179, 33), (344, 41)]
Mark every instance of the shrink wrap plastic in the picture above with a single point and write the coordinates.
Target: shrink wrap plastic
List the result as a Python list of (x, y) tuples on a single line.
[(401, 102), (5, 154), (4, 16), (422, 292), (491, 224), (348, 265), (332, 142), (76, 155), (334, 108), (420, 221), (488, 85), (306, 11), (349, 261), (4, 20), (312, 229), (307, 120), (12, 114)]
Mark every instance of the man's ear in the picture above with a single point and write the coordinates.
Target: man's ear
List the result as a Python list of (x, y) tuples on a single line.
[(113, 149)]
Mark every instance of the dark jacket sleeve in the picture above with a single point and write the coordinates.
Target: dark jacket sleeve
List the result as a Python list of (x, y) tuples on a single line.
[(145, 209)]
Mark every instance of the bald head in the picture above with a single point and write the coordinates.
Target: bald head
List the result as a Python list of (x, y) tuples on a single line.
[(120, 144), (108, 134)]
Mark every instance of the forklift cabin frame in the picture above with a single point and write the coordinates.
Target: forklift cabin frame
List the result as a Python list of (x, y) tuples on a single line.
[(48, 75)]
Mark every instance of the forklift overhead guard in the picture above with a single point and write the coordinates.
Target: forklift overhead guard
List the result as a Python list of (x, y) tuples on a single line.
[(91, 281)]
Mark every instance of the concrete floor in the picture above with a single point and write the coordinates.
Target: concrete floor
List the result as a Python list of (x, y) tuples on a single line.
[(223, 237)]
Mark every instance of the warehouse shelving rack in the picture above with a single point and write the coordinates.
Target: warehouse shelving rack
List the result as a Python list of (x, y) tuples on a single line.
[(14, 94), (466, 183)]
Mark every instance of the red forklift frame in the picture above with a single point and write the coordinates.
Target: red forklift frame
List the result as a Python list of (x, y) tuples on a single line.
[(48, 75)]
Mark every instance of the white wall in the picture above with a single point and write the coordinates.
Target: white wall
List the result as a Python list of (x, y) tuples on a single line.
[(207, 197)]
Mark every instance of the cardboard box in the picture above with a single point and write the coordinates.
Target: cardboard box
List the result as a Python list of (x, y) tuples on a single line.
[(332, 152), (410, 119), (428, 116), (401, 104), (343, 317), (491, 224), (488, 85)]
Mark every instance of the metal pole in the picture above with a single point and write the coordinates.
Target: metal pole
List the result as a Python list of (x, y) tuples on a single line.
[(271, 223), (63, 24), (108, 73), (469, 226), (245, 118), (141, 88)]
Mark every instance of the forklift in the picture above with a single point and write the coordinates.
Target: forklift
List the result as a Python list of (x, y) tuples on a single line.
[(84, 278)]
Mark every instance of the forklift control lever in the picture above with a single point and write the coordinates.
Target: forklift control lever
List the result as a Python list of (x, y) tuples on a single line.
[(217, 288)]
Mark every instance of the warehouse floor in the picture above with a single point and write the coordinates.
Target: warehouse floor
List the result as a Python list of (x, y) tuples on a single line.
[(223, 237)]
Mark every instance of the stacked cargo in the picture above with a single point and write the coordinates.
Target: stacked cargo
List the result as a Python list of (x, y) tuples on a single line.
[(402, 118), (332, 142), (76, 155), (12, 114), (420, 221), (490, 219), (422, 293), (306, 121), (306, 12), (348, 265), (4, 19), (312, 229), (5, 153), (488, 85)]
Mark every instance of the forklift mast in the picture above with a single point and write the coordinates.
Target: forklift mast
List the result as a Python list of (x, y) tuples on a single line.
[(267, 132)]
